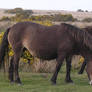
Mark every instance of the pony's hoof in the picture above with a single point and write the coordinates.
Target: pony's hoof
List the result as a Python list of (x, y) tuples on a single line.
[(19, 84), (53, 82), (90, 82), (12, 82), (80, 72), (69, 81)]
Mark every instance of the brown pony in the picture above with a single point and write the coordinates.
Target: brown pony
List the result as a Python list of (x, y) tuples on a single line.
[(81, 52), (89, 30), (47, 43)]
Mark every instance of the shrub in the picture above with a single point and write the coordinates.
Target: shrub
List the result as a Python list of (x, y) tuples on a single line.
[(14, 11), (60, 17), (18, 10), (22, 16), (5, 18), (80, 10), (87, 20)]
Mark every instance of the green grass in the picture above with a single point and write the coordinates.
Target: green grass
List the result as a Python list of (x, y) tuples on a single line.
[(38, 82)]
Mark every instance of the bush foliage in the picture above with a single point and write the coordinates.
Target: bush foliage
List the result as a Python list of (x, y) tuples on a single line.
[(21, 15), (87, 20), (18, 11)]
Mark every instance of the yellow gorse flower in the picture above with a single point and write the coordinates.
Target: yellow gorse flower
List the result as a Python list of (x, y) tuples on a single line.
[(81, 60)]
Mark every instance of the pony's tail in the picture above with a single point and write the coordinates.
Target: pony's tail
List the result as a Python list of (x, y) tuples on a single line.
[(4, 47)]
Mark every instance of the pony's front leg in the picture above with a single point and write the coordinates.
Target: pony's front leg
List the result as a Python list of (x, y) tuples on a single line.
[(60, 60)]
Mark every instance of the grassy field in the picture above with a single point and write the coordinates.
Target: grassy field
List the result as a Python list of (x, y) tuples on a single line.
[(34, 82)]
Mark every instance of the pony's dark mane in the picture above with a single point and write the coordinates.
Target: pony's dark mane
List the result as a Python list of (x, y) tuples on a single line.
[(81, 36), (88, 29)]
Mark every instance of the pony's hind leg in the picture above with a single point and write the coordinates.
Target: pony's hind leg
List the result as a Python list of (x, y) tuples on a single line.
[(68, 69), (11, 70), (17, 54), (82, 67)]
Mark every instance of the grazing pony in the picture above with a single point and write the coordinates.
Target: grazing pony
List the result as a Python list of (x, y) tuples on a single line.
[(57, 41), (82, 52), (89, 30), (85, 53)]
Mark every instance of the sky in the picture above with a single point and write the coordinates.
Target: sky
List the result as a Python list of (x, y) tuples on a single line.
[(71, 5)]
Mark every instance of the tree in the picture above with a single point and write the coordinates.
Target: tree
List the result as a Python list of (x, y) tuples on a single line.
[(80, 10)]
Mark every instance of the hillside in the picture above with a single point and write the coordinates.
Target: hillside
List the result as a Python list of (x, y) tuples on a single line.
[(78, 15), (2, 13)]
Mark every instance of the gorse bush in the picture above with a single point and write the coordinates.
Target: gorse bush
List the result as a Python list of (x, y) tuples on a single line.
[(14, 11), (5, 18), (61, 17), (18, 11), (87, 20), (21, 15)]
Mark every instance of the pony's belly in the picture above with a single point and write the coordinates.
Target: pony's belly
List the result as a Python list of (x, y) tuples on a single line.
[(45, 52), (46, 55)]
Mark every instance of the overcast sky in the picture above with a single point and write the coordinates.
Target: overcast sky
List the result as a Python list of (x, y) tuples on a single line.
[(48, 4)]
